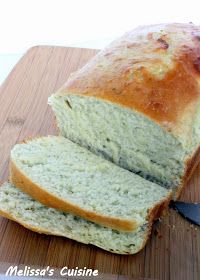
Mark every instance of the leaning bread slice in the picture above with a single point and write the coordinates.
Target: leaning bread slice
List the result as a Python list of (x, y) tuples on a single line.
[(63, 175), (18, 206)]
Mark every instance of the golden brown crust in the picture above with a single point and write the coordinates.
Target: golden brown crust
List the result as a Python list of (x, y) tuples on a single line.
[(154, 70), (21, 181)]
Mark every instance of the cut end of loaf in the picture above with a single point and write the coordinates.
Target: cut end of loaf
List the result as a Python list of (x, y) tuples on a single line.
[(125, 137)]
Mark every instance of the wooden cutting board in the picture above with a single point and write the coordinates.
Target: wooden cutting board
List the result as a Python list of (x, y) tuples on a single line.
[(173, 251)]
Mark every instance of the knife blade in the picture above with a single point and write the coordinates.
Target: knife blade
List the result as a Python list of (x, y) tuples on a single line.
[(190, 211)]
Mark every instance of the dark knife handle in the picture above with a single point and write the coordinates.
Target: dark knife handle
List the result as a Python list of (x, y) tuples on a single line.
[(190, 211)]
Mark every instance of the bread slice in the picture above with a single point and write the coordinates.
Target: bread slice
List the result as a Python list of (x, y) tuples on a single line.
[(19, 207), (137, 103), (63, 175)]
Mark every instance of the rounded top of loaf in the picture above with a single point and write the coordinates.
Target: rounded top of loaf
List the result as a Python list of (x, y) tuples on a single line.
[(154, 70)]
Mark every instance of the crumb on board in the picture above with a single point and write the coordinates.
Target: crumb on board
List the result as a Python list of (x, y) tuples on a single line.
[(157, 233)]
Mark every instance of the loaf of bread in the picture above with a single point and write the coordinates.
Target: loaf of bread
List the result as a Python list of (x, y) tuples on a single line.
[(63, 175), (20, 207), (137, 103)]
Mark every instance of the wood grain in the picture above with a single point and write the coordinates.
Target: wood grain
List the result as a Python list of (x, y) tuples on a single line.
[(174, 253)]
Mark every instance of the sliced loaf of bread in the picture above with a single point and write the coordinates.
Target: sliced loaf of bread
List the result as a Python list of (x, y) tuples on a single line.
[(137, 103), (20, 207), (63, 175)]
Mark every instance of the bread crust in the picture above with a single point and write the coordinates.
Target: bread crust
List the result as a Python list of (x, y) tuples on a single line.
[(154, 70), (20, 180)]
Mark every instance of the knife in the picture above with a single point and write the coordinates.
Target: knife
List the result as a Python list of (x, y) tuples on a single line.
[(190, 211)]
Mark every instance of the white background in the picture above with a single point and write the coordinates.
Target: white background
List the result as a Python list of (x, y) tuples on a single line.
[(80, 23)]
